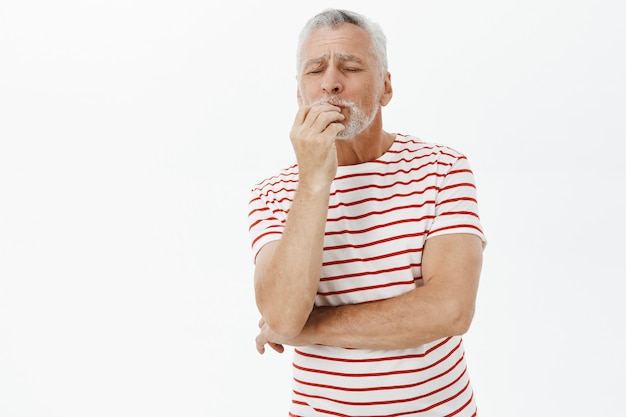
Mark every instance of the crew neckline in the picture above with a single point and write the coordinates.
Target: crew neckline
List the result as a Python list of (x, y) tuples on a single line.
[(346, 169)]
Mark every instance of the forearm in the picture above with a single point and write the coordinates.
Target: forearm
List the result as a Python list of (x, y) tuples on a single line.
[(410, 320), (442, 307), (287, 275)]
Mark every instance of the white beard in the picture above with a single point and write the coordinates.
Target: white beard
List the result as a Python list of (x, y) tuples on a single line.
[(358, 121)]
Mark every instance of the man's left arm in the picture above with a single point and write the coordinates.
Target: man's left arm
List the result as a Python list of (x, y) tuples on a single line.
[(442, 307)]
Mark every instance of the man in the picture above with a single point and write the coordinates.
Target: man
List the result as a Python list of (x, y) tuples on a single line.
[(368, 251)]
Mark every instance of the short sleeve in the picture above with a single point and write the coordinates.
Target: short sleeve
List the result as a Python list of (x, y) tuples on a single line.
[(456, 205), (266, 221)]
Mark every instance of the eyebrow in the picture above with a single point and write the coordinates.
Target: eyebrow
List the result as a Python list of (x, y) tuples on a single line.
[(348, 58), (339, 57)]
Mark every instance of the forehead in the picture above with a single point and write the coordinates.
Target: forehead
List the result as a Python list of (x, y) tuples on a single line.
[(346, 39)]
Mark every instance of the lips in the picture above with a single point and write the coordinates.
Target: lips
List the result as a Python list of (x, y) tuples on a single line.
[(341, 105), (345, 107), (335, 101)]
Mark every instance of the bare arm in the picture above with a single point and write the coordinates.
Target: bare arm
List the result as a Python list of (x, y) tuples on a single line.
[(287, 271), (443, 306)]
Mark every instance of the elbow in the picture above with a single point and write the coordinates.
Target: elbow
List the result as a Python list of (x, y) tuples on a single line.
[(286, 320), (285, 317), (282, 311), (285, 325), (461, 317)]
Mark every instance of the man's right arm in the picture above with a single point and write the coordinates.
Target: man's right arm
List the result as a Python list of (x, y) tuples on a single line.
[(287, 271)]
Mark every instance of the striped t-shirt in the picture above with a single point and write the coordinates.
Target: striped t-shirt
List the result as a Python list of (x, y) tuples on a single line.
[(379, 216)]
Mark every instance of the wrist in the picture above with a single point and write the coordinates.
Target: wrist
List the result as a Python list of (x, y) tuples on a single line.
[(312, 333), (313, 186)]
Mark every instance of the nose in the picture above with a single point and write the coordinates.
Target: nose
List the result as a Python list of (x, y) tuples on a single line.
[(331, 84)]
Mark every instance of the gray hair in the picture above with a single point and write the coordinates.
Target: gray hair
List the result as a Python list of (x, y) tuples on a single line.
[(337, 17)]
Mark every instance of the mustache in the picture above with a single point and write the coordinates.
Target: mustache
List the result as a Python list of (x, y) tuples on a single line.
[(336, 101)]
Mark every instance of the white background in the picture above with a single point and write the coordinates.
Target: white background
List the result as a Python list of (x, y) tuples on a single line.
[(131, 132)]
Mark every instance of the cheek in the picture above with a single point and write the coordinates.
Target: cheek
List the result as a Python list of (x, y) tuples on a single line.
[(305, 94), (370, 95), (305, 100)]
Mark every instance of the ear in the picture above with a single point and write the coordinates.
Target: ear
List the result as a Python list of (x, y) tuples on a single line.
[(385, 98)]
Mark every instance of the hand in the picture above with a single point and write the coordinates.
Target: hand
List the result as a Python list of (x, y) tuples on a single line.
[(313, 139), (306, 337), (265, 337)]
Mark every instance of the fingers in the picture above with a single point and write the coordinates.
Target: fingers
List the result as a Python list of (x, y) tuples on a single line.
[(313, 137), (260, 344), (334, 129), (311, 111), (261, 341), (277, 347), (318, 118)]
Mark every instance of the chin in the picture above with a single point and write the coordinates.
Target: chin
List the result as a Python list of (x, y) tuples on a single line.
[(346, 137)]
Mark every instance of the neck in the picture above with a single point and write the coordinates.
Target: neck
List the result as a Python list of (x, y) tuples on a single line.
[(365, 147)]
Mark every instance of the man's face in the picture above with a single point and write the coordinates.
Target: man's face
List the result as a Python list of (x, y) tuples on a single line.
[(338, 66)]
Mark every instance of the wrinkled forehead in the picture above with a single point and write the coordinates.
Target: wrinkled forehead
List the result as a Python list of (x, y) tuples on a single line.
[(344, 42)]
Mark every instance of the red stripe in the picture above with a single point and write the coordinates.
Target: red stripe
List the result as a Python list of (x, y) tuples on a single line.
[(383, 388), (456, 226), (373, 258), (370, 374), (261, 236), (387, 174), (454, 200), (258, 210), (460, 171), (365, 273), (378, 226), (404, 413), (365, 200), (377, 213), (366, 288), (386, 402), (386, 358), (374, 243), (457, 185), (463, 407), (465, 213)]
